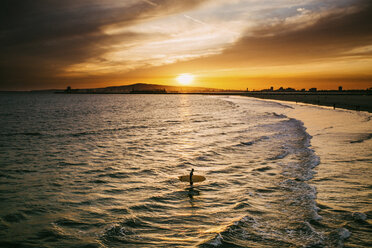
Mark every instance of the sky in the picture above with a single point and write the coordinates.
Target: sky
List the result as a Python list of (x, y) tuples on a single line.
[(227, 44)]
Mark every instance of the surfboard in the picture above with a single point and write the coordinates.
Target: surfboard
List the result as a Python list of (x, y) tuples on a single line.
[(195, 178)]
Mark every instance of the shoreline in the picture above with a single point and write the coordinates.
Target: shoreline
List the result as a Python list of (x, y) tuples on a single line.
[(357, 102)]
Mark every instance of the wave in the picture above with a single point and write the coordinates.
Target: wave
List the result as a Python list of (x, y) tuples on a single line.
[(247, 232), (14, 218), (263, 169), (281, 155), (362, 139), (105, 130), (22, 133), (252, 142), (61, 133), (244, 233), (279, 115)]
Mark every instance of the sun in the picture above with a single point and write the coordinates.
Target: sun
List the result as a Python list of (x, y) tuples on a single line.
[(185, 78)]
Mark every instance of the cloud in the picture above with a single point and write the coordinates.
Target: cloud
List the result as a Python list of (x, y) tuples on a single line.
[(313, 39), (38, 39), (329, 35), (47, 42)]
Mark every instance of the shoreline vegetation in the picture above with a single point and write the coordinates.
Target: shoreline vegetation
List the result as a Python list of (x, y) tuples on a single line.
[(359, 100)]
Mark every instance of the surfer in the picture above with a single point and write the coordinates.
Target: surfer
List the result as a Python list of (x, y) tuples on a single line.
[(191, 173)]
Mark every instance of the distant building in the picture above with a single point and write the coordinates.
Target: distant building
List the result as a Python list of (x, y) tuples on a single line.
[(339, 88), (313, 89), (289, 89), (68, 89)]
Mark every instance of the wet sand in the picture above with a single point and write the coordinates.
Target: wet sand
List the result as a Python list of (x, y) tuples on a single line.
[(359, 102)]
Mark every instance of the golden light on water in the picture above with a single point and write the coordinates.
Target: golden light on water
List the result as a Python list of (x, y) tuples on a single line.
[(185, 79)]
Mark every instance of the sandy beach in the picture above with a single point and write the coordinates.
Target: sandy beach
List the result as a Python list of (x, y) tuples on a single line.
[(359, 102)]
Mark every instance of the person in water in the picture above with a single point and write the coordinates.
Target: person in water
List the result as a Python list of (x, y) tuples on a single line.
[(191, 173)]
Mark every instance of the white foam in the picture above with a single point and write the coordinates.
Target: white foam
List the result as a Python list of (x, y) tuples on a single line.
[(359, 216), (344, 233), (316, 216), (216, 241)]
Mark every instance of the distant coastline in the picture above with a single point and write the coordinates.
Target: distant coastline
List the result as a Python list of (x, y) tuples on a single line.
[(141, 88), (353, 100), (359, 100)]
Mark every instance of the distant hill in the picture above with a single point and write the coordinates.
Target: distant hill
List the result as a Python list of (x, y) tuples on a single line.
[(145, 88)]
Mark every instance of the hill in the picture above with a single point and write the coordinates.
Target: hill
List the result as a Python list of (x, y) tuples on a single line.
[(143, 88)]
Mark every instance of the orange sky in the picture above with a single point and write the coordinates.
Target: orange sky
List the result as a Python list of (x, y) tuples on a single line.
[(229, 44)]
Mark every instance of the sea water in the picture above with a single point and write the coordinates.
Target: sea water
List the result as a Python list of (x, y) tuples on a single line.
[(102, 171)]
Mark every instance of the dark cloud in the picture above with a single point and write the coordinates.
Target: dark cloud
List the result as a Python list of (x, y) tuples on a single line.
[(330, 37), (38, 39)]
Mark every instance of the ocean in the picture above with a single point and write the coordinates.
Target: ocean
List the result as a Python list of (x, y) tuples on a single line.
[(102, 171)]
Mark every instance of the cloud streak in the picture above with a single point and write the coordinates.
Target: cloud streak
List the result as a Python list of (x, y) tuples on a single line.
[(39, 39), (336, 44), (330, 35)]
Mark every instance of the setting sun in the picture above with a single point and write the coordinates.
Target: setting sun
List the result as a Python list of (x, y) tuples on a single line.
[(185, 78)]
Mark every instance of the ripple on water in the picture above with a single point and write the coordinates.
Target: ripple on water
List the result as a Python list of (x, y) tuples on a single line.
[(119, 210), (52, 235), (115, 191), (71, 223), (117, 175), (14, 217), (98, 181), (263, 169), (107, 166)]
